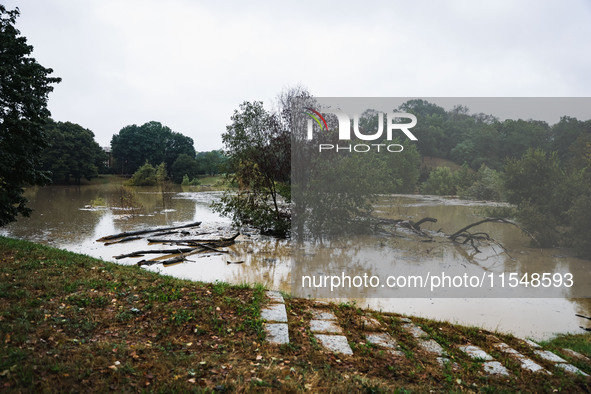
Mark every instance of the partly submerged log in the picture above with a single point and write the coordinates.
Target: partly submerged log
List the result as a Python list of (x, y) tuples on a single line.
[(140, 253), (146, 231), (126, 239), (195, 241), (173, 260), (583, 316)]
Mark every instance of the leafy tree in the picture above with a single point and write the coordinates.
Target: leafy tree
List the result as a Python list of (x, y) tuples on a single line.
[(565, 132), (72, 152), (486, 184), (184, 165), (211, 163), (24, 89), (540, 208), (441, 181), (258, 148), (527, 178), (152, 141), (433, 139), (144, 176), (518, 136)]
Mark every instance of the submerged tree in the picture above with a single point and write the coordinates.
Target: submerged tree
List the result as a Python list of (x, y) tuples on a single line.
[(24, 89), (259, 155)]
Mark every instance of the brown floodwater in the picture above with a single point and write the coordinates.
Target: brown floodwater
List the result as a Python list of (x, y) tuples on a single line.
[(73, 218)]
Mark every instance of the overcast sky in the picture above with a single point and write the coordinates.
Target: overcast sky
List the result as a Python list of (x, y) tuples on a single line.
[(189, 64)]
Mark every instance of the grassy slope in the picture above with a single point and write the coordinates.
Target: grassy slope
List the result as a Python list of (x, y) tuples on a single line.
[(73, 323)]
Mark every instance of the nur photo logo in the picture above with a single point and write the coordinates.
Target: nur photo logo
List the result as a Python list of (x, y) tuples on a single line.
[(394, 122)]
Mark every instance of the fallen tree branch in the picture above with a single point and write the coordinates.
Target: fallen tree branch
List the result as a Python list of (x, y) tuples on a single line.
[(487, 220), (126, 239), (146, 231), (169, 261), (409, 224), (195, 241)]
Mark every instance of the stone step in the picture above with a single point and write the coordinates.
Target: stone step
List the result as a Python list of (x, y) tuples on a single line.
[(384, 340), (525, 362), (275, 315), (323, 325), (489, 365), (335, 343)]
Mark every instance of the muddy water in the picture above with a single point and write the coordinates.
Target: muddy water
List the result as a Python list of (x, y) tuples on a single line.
[(72, 218)]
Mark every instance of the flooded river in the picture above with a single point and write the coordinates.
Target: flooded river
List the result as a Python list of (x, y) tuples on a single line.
[(73, 218)]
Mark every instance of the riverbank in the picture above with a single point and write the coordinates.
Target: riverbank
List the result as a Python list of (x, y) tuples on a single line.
[(69, 322)]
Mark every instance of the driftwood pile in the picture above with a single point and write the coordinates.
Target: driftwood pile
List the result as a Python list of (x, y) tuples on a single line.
[(181, 247)]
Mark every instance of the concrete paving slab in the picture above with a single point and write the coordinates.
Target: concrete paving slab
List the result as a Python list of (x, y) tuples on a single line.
[(495, 368), (327, 326), (370, 323), (381, 339), (525, 362), (274, 313), (476, 353), (414, 330), (277, 333), (335, 343), (432, 347), (571, 369), (549, 356), (322, 315), (531, 343), (275, 296)]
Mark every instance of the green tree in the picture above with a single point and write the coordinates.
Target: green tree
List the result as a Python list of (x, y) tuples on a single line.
[(211, 163), (565, 132), (486, 184), (152, 141), (144, 176), (441, 181), (540, 208), (258, 148), (72, 152), (433, 139), (24, 89), (518, 136), (184, 165)]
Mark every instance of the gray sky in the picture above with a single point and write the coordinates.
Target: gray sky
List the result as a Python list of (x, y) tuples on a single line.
[(189, 64)]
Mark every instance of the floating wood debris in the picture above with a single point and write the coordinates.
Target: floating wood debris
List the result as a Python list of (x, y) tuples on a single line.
[(140, 253), (146, 231), (183, 247)]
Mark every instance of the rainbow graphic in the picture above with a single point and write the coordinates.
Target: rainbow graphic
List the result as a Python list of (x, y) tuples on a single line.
[(316, 118)]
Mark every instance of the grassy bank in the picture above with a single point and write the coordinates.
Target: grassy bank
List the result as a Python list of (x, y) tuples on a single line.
[(73, 323)]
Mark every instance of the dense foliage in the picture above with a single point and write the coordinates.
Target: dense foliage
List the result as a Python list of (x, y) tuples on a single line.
[(184, 165), (71, 152), (211, 163), (152, 142), (24, 89)]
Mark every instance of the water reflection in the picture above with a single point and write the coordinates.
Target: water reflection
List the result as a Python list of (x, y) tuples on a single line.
[(63, 218)]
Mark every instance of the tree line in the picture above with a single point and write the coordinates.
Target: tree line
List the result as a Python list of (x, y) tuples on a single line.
[(71, 153)]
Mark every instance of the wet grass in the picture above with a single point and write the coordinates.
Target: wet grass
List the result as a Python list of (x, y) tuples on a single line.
[(73, 323)]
